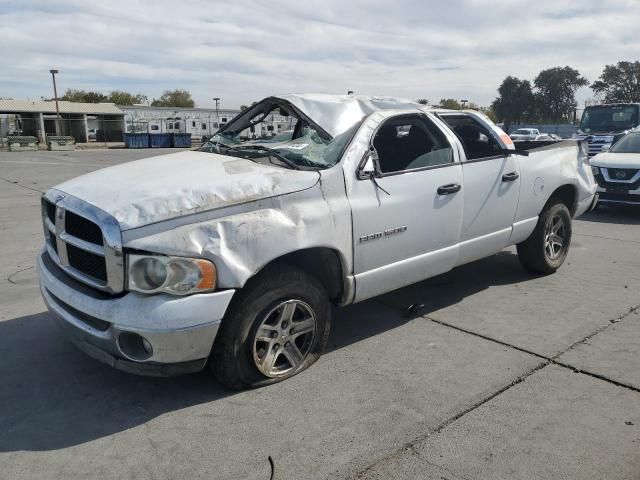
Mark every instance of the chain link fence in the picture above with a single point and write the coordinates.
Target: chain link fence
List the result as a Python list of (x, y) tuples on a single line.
[(93, 130), (96, 130)]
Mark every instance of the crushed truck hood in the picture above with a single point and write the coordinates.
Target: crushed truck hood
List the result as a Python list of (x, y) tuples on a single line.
[(159, 188)]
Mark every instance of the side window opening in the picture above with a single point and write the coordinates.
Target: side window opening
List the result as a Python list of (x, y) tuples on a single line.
[(411, 142), (477, 140)]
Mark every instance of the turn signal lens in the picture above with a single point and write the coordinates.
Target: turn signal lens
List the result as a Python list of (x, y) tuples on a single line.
[(209, 275), (506, 139)]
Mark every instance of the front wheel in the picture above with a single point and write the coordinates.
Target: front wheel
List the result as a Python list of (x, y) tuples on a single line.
[(547, 247), (277, 326)]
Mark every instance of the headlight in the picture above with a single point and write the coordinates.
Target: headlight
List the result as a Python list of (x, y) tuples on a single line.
[(176, 275), (595, 170)]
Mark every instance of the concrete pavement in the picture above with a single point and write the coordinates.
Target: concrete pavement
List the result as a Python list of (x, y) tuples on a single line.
[(500, 375)]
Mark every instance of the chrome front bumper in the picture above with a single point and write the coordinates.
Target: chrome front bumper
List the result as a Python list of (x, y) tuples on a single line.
[(180, 330)]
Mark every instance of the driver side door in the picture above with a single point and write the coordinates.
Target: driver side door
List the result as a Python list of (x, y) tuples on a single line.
[(407, 219)]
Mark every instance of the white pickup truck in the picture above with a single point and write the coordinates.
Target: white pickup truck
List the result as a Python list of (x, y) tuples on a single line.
[(232, 256)]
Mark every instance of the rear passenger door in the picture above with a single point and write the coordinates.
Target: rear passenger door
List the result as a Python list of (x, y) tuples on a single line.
[(492, 188), (406, 220)]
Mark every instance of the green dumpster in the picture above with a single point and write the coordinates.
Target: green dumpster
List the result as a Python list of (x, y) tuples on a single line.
[(57, 143), (22, 144)]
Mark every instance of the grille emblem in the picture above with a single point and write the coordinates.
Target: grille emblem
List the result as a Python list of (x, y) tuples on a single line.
[(621, 174)]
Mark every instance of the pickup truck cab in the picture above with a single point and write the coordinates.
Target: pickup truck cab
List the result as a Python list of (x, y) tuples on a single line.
[(617, 172), (233, 256)]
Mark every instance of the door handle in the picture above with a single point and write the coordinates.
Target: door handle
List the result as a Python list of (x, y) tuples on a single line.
[(510, 177), (449, 189)]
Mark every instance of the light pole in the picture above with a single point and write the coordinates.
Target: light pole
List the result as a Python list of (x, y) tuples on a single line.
[(464, 103), (55, 96), (217, 100)]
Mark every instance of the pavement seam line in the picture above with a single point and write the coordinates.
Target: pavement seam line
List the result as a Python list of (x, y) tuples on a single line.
[(410, 446), (12, 182), (554, 359), (485, 337), (597, 375), (604, 238)]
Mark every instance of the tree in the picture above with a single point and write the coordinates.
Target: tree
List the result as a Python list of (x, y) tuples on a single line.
[(619, 83), (556, 93), (451, 104), (489, 112), (515, 101), (423, 101), (82, 96), (174, 98), (244, 107), (125, 98)]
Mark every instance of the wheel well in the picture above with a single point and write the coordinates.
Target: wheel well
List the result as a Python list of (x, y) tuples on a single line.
[(321, 262), (567, 195)]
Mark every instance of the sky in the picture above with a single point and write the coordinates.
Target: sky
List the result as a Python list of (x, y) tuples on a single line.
[(244, 50)]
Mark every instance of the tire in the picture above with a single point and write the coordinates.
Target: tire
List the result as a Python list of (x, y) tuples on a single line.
[(535, 253), (255, 344)]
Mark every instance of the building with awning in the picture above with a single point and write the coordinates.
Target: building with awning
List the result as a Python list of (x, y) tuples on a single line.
[(79, 120)]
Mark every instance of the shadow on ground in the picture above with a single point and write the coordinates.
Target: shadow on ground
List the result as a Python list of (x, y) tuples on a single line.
[(52, 396), (619, 215)]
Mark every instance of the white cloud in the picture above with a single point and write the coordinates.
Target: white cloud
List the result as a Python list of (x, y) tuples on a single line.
[(245, 50)]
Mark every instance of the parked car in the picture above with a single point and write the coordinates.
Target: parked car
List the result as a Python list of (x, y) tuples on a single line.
[(234, 259), (617, 172), (525, 134), (92, 133)]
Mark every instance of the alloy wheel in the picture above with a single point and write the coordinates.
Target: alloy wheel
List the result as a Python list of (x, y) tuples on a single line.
[(284, 338), (554, 237)]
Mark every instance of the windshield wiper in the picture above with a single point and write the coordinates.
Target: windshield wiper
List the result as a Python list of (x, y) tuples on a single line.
[(269, 152)]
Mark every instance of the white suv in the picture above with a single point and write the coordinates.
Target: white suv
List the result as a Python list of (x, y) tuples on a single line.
[(618, 172)]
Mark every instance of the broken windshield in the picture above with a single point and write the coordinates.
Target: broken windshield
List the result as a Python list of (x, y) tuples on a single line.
[(273, 132)]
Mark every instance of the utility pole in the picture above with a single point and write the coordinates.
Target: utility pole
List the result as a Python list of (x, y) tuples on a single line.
[(217, 100), (55, 96)]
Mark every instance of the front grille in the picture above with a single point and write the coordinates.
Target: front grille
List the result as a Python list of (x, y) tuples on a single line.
[(622, 173), (53, 242), (93, 322), (82, 228), (88, 263), (595, 148), (620, 184), (51, 211), (84, 242)]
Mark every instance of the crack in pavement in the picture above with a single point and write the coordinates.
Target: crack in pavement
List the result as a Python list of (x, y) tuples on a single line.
[(15, 182), (10, 277), (546, 361)]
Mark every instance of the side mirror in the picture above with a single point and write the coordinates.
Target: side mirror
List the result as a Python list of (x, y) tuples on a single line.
[(371, 165), (606, 147)]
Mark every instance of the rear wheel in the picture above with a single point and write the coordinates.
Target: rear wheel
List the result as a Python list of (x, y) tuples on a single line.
[(276, 327), (547, 247)]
